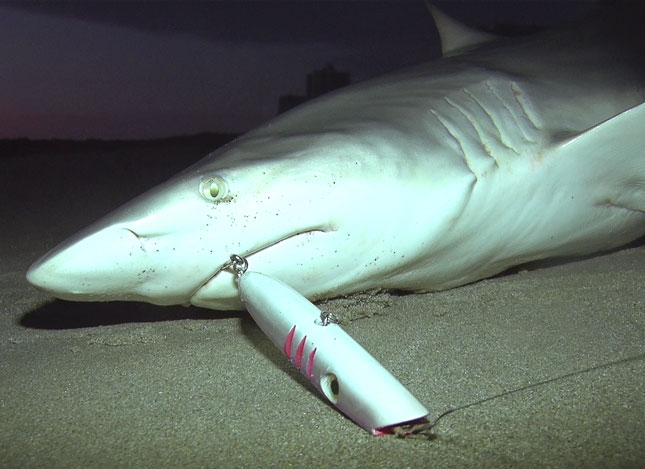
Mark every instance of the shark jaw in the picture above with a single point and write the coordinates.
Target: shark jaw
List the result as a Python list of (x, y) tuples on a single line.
[(220, 291), (85, 271)]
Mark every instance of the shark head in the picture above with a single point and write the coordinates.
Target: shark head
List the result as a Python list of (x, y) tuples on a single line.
[(300, 208)]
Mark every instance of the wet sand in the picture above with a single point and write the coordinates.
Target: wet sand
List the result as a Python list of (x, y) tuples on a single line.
[(541, 368)]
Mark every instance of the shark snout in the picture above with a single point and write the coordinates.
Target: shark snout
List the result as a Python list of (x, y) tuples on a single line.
[(97, 266)]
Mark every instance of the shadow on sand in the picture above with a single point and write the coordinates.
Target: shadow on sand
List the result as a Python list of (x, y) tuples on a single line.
[(60, 314)]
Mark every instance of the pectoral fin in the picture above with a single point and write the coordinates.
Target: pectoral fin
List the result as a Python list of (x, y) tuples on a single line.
[(610, 157)]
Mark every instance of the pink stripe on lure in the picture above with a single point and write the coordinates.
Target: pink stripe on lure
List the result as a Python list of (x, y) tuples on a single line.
[(288, 348), (288, 342), (310, 364), (299, 351)]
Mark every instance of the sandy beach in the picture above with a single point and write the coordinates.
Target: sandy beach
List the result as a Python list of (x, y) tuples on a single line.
[(543, 367)]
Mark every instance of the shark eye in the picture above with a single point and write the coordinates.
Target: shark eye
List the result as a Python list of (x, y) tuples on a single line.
[(213, 189)]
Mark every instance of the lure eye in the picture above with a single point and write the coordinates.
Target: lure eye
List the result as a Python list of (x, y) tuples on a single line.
[(213, 189), (330, 387)]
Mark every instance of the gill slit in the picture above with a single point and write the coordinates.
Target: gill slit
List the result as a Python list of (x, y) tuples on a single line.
[(454, 136)]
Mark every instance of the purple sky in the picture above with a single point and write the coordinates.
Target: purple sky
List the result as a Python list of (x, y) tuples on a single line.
[(153, 69)]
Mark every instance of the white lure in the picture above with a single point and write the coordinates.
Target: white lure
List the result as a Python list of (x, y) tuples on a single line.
[(343, 371)]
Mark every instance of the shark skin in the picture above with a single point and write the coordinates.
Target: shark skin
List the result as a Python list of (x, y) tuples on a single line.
[(422, 180)]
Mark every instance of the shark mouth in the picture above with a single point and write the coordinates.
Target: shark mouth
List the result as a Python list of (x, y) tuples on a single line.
[(218, 289)]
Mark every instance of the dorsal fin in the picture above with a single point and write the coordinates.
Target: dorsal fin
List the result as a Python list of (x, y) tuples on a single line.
[(455, 36)]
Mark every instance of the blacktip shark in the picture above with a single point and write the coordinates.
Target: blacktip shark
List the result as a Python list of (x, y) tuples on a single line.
[(504, 151)]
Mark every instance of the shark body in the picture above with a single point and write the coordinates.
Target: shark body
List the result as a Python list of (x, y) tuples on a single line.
[(426, 179)]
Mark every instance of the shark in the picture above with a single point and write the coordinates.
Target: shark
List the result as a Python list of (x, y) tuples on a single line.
[(501, 152)]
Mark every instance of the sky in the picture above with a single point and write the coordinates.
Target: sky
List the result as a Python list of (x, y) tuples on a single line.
[(149, 69)]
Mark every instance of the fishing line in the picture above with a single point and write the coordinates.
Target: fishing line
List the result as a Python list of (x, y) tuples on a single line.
[(425, 430)]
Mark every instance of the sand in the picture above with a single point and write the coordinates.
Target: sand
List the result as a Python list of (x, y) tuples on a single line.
[(541, 368)]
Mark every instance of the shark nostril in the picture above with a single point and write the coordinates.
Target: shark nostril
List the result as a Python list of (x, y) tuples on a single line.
[(139, 238)]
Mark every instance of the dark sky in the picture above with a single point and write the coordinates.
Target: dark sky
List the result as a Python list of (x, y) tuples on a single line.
[(144, 69)]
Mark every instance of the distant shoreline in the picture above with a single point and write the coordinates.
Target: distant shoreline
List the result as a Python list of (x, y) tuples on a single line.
[(26, 146)]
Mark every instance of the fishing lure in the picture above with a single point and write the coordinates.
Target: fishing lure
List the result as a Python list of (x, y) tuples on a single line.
[(343, 371)]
